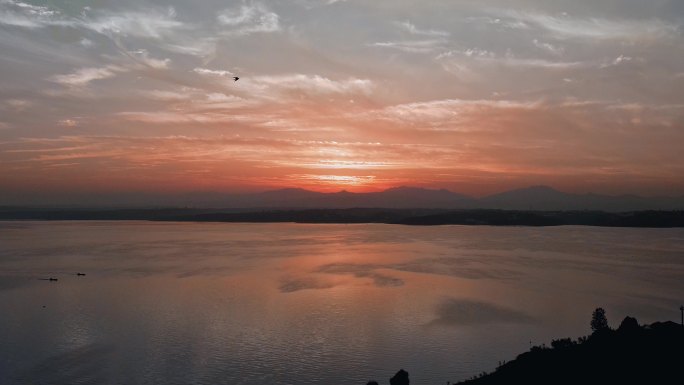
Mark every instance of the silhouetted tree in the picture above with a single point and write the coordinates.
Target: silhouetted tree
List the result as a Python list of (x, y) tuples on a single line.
[(562, 343), (401, 378), (599, 320)]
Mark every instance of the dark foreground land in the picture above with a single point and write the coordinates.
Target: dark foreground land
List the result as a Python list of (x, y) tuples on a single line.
[(422, 217), (632, 354)]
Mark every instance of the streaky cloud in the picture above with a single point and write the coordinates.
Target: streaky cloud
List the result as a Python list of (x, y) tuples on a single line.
[(565, 26), (249, 19), (84, 76)]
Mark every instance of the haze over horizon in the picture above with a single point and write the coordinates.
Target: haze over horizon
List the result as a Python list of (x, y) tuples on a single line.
[(137, 96), (533, 198)]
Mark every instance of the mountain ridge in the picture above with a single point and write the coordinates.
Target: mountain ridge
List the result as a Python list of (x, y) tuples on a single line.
[(537, 198)]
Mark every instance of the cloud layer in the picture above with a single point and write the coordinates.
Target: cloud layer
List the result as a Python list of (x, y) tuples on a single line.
[(342, 94)]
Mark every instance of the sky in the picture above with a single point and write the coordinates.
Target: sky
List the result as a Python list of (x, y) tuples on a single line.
[(469, 95)]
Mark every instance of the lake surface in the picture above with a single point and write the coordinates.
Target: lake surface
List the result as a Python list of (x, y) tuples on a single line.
[(187, 303)]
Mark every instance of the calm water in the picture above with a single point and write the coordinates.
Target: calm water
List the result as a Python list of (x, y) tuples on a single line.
[(183, 303)]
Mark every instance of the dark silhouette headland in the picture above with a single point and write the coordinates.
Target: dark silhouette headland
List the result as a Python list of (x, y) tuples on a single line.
[(630, 354), (400, 378), (415, 217)]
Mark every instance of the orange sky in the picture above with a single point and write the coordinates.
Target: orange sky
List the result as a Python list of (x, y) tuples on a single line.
[(454, 95)]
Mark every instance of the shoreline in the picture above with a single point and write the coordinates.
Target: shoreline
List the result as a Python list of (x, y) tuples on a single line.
[(411, 217)]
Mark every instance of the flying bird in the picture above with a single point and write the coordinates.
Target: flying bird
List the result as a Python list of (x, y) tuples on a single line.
[(235, 78)]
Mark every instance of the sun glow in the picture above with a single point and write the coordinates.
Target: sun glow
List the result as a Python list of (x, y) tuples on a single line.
[(331, 183), (341, 179), (349, 164), (346, 179)]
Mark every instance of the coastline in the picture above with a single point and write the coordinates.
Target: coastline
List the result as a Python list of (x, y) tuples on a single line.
[(631, 354), (412, 217)]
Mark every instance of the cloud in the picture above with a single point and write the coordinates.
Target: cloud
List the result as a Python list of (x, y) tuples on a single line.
[(21, 14), (132, 157), (168, 96), (437, 112), (313, 84), (502, 111), (83, 76), (482, 142), (412, 29), (193, 105), (477, 53), (190, 100), (86, 42), (205, 71), (202, 46), (512, 61), (249, 19), (412, 46), (16, 105), (464, 312), (182, 117), (564, 26), (288, 87), (153, 24), (622, 60), (143, 57), (220, 98), (548, 47), (68, 122), (347, 180), (498, 21), (489, 58)]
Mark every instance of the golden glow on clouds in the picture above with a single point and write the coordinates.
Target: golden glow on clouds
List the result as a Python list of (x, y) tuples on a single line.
[(334, 182), (348, 164), (471, 98)]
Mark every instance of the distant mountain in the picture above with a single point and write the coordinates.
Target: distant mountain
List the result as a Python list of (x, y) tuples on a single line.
[(547, 198), (536, 198), (394, 198), (413, 197)]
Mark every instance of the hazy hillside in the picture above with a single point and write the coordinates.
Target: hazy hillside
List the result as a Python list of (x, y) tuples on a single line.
[(537, 198), (547, 198)]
